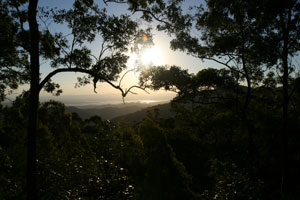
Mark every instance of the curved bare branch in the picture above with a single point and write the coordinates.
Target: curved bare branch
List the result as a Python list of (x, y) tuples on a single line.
[(125, 75), (96, 79)]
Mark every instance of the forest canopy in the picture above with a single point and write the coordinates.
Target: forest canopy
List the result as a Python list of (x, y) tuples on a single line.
[(234, 129)]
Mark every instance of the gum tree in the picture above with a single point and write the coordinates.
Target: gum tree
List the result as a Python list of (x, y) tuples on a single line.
[(65, 51)]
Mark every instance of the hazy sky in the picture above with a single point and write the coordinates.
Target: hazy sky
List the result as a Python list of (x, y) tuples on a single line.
[(161, 41)]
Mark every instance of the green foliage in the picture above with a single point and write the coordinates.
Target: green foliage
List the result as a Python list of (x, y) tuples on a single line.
[(207, 85), (86, 23), (13, 57), (200, 153), (53, 88), (129, 151), (249, 38), (48, 49), (213, 148), (270, 80), (209, 125), (171, 78), (232, 183), (79, 163), (165, 176), (70, 165), (9, 187)]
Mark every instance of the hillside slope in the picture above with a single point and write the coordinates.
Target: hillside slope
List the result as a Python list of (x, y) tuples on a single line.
[(163, 112), (107, 111)]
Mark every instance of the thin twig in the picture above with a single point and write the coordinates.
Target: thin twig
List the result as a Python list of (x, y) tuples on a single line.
[(125, 75)]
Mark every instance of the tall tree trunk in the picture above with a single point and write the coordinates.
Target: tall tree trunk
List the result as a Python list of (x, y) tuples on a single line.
[(33, 101), (285, 102), (284, 132), (245, 117)]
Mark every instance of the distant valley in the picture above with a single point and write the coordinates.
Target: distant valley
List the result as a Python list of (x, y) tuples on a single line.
[(130, 112)]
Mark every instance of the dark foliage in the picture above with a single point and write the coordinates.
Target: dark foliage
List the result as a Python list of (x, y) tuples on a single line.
[(202, 152), (234, 133)]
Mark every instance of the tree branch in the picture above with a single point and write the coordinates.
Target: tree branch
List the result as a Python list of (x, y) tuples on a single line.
[(125, 75), (51, 74), (22, 20), (222, 63), (113, 1), (96, 78), (20, 16), (155, 17), (103, 49)]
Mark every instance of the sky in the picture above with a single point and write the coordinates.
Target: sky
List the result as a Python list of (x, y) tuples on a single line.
[(161, 45)]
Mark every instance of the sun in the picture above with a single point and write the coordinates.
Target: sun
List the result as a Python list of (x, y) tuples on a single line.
[(148, 57), (152, 56)]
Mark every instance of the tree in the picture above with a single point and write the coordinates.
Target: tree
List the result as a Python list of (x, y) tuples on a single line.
[(224, 32), (283, 33), (244, 36), (208, 86), (67, 154), (33, 99), (13, 60), (67, 53), (165, 177)]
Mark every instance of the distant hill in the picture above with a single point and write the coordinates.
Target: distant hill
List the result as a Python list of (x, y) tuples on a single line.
[(109, 111), (163, 112)]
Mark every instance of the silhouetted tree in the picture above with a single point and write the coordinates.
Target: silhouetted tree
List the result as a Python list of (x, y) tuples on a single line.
[(67, 53), (244, 36), (13, 59), (204, 87)]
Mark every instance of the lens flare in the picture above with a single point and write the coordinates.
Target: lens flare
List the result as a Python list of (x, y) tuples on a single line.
[(145, 38)]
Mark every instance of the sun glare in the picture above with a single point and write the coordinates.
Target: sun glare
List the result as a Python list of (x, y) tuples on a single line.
[(152, 56), (132, 59)]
